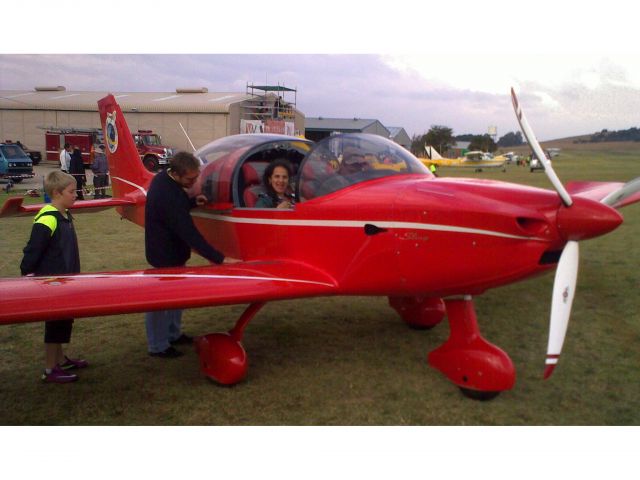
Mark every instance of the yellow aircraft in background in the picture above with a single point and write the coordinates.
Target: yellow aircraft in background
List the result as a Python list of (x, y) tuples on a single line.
[(474, 159)]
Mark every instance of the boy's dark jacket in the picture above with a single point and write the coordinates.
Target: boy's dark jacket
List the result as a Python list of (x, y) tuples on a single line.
[(51, 252)]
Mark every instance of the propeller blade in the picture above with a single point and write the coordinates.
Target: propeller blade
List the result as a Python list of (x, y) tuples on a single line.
[(564, 287), (537, 149), (622, 193)]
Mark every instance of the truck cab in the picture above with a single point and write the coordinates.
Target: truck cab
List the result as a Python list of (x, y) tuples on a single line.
[(154, 155)]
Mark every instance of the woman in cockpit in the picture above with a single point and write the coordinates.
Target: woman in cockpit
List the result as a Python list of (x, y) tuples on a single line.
[(276, 183)]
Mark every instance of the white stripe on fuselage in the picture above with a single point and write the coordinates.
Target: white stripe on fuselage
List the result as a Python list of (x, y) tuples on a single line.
[(131, 183), (348, 223), (360, 224)]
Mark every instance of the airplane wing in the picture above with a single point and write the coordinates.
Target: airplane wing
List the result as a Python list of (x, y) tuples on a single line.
[(30, 299), (13, 206), (615, 194)]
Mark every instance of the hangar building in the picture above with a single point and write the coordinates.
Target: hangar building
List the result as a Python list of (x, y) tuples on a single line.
[(400, 136), (25, 115), (317, 128)]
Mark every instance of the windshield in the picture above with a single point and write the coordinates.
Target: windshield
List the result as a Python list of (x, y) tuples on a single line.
[(13, 152), (342, 160), (151, 140)]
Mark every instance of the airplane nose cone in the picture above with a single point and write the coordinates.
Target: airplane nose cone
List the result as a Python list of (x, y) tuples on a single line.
[(586, 219)]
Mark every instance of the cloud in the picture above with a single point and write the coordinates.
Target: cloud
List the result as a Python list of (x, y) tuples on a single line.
[(561, 95)]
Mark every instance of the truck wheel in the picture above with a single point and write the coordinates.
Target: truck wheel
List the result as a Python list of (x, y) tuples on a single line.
[(150, 163)]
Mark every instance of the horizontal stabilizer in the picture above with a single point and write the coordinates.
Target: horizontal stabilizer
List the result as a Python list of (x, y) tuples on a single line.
[(13, 206)]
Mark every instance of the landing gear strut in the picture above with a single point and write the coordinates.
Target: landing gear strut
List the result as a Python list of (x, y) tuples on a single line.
[(222, 357), (479, 368)]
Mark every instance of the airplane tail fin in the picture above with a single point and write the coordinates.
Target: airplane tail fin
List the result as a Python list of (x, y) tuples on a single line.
[(127, 172)]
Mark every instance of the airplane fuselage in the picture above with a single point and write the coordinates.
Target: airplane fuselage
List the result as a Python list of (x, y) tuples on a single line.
[(402, 235)]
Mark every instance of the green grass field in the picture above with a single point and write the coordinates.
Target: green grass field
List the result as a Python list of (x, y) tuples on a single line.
[(348, 361)]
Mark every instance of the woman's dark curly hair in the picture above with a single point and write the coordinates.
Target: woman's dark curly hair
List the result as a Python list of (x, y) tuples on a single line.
[(279, 162)]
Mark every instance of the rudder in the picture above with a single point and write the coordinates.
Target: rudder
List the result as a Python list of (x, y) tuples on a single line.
[(126, 170)]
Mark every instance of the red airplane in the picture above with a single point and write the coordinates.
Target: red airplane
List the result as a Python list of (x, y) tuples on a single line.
[(369, 219)]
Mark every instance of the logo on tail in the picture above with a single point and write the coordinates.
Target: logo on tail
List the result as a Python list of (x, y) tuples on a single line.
[(111, 132)]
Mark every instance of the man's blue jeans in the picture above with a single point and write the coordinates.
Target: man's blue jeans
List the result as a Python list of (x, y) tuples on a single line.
[(163, 327)]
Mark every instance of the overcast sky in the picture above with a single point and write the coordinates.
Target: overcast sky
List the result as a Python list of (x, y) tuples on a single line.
[(575, 72)]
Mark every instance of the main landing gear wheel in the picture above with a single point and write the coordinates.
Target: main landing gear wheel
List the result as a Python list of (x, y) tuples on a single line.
[(419, 313), (478, 394), (222, 356)]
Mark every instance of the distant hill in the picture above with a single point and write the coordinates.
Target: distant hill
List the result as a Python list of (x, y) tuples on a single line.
[(579, 143), (606, 136)]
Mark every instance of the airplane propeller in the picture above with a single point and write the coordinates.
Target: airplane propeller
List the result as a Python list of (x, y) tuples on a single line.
[(564, 285), (564, 288), (628, 189), (537, 149)]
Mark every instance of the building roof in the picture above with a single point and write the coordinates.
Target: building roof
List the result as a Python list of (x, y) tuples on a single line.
[(202, 101), (393, 131), (338, 124)]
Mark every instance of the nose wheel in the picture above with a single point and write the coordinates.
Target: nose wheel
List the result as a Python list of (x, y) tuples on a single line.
[(480, 369)]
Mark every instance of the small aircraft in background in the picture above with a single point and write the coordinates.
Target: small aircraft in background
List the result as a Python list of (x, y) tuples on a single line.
[(474, 159), (428, 244), (553, 152)]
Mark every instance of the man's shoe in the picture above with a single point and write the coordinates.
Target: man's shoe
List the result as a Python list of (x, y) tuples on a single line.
[(182, 340), (71, 363), (58, 375), (168, 353)]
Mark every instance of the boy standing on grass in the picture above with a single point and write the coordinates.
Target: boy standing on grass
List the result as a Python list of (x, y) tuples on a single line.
[(52, 250)]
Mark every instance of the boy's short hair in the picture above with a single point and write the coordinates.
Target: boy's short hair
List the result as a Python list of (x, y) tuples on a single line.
[(184, 162), (57, 181)]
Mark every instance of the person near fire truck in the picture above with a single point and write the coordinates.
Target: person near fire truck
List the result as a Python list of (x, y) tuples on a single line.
[(100, 169), (76, 168), (65, 158)]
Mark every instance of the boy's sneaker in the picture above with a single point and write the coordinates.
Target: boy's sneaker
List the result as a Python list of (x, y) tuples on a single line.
[(71, 363), (58, 375)]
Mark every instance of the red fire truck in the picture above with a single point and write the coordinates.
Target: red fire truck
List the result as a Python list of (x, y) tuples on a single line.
[(84, 138), (153, 154)]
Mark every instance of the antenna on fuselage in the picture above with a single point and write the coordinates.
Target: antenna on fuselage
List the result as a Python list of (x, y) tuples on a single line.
[(186, 135)]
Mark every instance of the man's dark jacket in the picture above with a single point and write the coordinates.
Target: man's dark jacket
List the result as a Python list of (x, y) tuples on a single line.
[(169, 232)]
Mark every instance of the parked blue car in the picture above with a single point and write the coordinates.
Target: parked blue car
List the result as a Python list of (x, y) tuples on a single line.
[(15, 164)]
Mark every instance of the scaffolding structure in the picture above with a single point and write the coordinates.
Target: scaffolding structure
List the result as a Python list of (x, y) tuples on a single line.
[(272, 102)]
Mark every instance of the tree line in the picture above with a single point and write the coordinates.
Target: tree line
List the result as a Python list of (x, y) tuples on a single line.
[(442, 139), (628, 135)]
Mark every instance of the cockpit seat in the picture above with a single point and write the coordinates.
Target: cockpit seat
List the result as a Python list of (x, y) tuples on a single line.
[(252, 175), (313, 174)]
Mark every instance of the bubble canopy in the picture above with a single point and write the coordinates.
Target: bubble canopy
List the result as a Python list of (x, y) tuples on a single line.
[(232, 165), (339, 161)]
